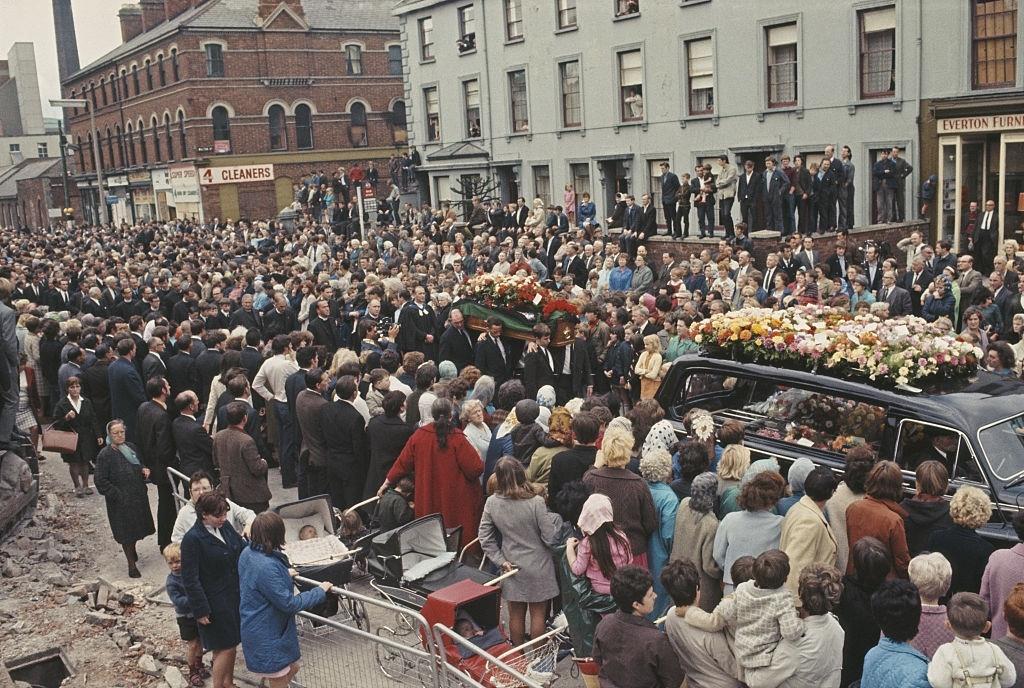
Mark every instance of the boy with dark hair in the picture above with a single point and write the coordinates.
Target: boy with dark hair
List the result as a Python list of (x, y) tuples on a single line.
[(894, 663), (970, 659), (395, 507), (628, 648)]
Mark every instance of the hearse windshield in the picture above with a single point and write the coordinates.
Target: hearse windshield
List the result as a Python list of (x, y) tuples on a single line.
[(1003, 444)]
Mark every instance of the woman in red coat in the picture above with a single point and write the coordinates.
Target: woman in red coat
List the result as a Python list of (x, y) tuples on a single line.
[(447, 471)]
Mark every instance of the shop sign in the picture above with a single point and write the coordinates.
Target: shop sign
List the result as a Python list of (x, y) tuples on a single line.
[(979, 123), (117, 180), (161, 182), (184, 182), (142, 177), (142, 196), (238, 174)]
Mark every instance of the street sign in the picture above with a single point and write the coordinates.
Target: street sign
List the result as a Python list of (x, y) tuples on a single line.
[(239, 174), (111, 200)]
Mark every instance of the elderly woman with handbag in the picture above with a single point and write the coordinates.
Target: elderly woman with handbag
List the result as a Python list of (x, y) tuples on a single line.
[(74, 413)]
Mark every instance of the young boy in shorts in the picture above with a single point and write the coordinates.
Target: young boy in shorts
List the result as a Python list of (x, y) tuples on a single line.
[(188, 629)]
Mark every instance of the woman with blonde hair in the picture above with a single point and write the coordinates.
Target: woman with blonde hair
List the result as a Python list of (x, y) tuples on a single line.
[(966, 550), (630, 498), (474, 427), (648, 367), (734, 463)]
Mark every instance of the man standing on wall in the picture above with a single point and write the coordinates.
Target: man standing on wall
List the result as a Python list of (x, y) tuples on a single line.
[(726, 186), (669, 201), (903, 170)]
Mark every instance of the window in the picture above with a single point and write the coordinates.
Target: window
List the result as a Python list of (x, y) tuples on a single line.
[(919, 442), (168, 137), (304, 126), (278, 131), (700, 73), (878, 52), (467, 30), (631, 86), (542, 183), (654, 184), (103, 91), (160, 70), (181, 137), (149, 75), (110, 149), (113, 88), (92, 94), (41, 150), (81, 154), (782, 62), (124, 84), (143, 147), (221, 124), (471, 96), (395, 60), (566, 10), (135, 80), (517, 98), (121, 157), (432, 106), (214, 59), (175, 74), (625, 8), (129, 143), (353, 60), (427, 38), (157, 156), (993, 43), (399, 132), (357, 128), (513, 20), (572, 98), (580, 173)]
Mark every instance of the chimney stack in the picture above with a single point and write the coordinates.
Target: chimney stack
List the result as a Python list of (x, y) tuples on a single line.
[(176, 7), (131, 22), (67, 42), (154, 13)]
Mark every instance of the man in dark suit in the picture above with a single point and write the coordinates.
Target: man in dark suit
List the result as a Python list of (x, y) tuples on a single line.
[(838, 261), (630, 226), (136, 327), (897, 297), (670, 187), (456, 342), (916, 281), (551, 246), (522, 213), (492, 356), (309, 402), (648, 220), (208, 364), (539, 364), (280, 319), (983, 246), (246, 316), (573, 265), (872, 268), (251, 357), (222, 320), (153, 365), (1014, 305), (238, 390), (95, 386), (573, 374), (747, 193), (807, 256), (60, 296), (157, 453), (324, 328), (772, 186), (416, 325), (127, 392), (194, 444), (944, 257), (181, 369), (348, 454)]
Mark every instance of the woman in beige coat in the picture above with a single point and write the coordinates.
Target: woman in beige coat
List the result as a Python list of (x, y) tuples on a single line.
[(807, 538), (694, 537), (648, 367)]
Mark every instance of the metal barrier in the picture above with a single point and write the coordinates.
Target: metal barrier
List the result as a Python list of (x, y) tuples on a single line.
[(173, 474), (496, 672)]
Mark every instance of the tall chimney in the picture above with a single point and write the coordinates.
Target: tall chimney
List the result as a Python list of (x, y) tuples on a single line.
[(67, 43), (131, 22), (176, 7), (154, 13)]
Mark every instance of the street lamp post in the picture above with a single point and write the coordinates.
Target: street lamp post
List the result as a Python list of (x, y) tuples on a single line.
[(63, 164), (77, 103)]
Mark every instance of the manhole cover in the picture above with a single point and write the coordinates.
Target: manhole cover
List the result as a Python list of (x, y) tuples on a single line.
[(45, 669)]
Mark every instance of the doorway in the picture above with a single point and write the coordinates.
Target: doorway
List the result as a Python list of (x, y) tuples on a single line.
[(615, 179)]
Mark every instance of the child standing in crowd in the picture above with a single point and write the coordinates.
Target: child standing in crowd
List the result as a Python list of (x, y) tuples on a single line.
[(970, 660), (395, 507), (187, 626), (604, 547)]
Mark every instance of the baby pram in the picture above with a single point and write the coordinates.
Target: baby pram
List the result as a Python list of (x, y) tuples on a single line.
[(472, 609), (324, 558)]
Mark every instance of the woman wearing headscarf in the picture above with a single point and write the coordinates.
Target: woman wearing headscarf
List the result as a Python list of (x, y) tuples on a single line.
[(75, 413), (693, 538), (661, 436), (630, 498), (656, 469), (798, 472), (268, 605), (546, 401), (483, 391), (447, 471), (474, 427), (121, 479)]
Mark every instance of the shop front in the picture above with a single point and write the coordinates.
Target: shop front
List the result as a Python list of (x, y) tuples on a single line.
[(980, 151)]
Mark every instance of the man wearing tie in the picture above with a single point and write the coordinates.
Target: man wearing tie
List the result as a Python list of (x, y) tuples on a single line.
[(774, 184), (916, 281), (539, 365), (770, 270), (60, 299), (575, 376), (491, 354), (983, 247), (456, 342), (898, 298), (630, 226)]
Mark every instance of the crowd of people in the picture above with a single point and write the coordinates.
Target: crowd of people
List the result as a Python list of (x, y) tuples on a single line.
[(224, 349)]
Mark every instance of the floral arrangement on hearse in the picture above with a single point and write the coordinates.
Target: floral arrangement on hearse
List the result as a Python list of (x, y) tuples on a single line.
[(519, 293), (895, 351)]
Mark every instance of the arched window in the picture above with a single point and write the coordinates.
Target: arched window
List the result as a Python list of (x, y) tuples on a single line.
[(221, 124), (181, 136), (353, 60), (92, 94), (143, 146), (103, 91), (89, 149), (135, 79), (399, 134), (130, 143), (121, 160), (155, 126), (149, 75), (113, 88), (168, 136), (174, 64), (81, 154), (124, 85), (110, 149), (160, 70), (357, 126), (278, 130), (303, 127)]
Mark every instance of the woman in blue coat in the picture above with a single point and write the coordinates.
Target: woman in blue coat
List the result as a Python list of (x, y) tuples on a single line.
[(209, 569), (621, 277), (268, 605)]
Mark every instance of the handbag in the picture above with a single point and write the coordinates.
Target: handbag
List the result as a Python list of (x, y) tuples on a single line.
[(63, 441)]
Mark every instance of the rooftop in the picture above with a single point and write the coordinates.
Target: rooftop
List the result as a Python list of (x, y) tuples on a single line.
[(26, 169)]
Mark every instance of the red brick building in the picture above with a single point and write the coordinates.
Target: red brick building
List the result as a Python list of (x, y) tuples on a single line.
[(302, 85)]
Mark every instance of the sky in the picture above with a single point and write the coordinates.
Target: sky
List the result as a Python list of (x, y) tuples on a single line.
[(97, 28)]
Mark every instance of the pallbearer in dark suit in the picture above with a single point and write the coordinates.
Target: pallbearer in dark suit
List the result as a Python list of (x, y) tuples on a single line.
[(456, 342), (156, 449), (194, 444)]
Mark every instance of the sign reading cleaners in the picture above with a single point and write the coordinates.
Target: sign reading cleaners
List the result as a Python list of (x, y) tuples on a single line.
[(236, 175)]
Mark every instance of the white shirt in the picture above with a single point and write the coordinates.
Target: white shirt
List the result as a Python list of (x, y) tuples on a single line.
[(216, 533), (269, 382)]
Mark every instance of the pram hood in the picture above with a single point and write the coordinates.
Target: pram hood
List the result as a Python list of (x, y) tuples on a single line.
[(312, 511), (481, 602)]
